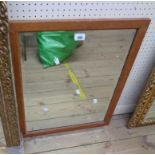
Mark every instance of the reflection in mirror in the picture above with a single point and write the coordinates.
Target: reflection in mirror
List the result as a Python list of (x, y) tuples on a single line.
[(150, 115), (69, 77), (2, 138)]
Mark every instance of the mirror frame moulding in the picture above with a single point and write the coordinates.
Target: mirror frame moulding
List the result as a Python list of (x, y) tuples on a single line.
[(8, 104), (140, 24), (144, 104)]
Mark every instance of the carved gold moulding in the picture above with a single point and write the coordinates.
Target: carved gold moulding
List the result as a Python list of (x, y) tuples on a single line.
[(144, 105)]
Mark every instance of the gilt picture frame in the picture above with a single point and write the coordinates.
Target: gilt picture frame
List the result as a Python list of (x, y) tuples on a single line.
[(8, 104), (144, 104)]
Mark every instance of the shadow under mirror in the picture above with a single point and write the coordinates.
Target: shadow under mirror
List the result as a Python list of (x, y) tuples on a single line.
[(69, 77)]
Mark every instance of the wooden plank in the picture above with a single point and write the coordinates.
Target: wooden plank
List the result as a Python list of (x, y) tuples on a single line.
[(59, 111), (127, 145), (68, 84), (83, 71), (116, 131), (91, 92), (64, 121), (59, 99)]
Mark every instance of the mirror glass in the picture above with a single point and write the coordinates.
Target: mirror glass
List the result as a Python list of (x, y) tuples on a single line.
[(69, 76), (150, 115), (2, 138)]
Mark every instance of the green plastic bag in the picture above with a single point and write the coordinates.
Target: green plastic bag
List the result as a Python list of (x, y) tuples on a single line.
[(55, 46)]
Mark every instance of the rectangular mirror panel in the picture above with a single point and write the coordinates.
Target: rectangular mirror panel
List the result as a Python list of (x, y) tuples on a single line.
[(79, 89)]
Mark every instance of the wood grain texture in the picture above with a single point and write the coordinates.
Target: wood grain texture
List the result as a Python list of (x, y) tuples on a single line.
[(80, 24)]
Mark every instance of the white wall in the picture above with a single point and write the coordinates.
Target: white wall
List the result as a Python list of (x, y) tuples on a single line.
[(78, 10)]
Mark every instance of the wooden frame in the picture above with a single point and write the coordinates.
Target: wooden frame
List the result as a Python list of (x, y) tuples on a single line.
[(8, 106), (144, 104), (16, 27)]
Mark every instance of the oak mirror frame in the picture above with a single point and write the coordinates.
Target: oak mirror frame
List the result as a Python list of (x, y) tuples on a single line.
[(144, 111), (17, 27)]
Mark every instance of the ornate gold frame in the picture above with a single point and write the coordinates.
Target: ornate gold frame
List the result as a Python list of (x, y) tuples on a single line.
[(8, 106), (144, 104)]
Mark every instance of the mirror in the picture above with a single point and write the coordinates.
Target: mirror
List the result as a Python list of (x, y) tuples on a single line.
[(144, 113), (77, 90)]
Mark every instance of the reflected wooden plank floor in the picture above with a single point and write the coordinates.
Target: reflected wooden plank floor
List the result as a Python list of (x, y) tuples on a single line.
[(49, 94)]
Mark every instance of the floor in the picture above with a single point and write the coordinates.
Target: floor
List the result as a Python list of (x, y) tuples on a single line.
[(115, 138), (50, 96)]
